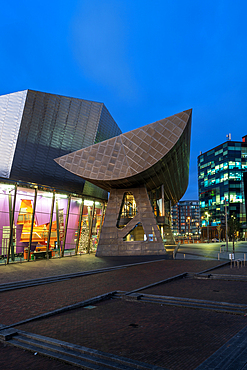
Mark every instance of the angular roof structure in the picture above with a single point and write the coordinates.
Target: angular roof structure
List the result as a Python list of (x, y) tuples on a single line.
[(155, 154), (36, 127)]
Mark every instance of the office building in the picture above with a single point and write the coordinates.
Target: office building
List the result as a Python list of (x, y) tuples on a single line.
[(221, 187), (186, 220)]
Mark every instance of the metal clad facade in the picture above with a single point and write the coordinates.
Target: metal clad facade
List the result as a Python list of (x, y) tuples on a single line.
[(107, 129), (107, 126), (156, 154), (11, 109), (52, 126)]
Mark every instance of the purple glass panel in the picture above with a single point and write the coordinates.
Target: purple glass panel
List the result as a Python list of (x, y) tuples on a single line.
[(74, 215)]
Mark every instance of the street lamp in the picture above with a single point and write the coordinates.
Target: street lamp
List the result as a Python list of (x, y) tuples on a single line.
[(188, 221), (226, 225), (197, 224), (207, 215)]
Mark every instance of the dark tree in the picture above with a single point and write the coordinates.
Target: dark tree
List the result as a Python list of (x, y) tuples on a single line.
[(233, 228)]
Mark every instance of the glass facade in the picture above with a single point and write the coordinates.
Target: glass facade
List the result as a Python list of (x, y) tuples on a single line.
[(129, 210), (186, 220), (220, 181), (39, 222), (162, 211)]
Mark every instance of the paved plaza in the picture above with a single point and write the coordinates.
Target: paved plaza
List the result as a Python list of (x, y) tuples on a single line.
[(141, 312)]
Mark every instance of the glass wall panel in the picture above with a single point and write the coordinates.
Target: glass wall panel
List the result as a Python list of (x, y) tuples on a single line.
[(6, 198), (42, 223), (97, 223), (85, 245), (128, 210), (58, 223), (73, 226), (48, 222), (23, 221)]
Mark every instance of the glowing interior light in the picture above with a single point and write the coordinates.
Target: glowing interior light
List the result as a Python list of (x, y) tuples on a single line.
[(6, 187), (47, 195), (61, 196), (88, 202)]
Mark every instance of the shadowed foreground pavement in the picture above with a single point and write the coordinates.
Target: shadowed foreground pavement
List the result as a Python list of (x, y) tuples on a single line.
[(160, 334)]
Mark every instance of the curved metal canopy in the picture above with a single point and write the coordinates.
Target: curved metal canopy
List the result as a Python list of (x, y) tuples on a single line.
[(153, 155)]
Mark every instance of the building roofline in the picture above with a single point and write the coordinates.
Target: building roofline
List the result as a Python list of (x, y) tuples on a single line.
[(54, 94), (228, 141)]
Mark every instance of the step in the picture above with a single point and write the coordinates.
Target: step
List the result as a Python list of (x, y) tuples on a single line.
[(233, 308), (198, 306), (227, 277), (80, 356), (52, 279)]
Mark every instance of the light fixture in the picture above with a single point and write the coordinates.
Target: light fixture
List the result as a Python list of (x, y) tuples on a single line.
[(6, 187), (47, 194), (88, 202), (61, 196)]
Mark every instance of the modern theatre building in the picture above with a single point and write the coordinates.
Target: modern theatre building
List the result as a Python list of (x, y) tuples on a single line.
[(143, 170), (61, 156), (45, 211)]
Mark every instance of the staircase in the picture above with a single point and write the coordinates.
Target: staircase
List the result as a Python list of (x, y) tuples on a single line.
[(72, 354), (231, 308)]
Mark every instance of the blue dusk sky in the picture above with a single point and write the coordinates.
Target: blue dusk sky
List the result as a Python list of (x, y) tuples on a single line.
[(145, 59)]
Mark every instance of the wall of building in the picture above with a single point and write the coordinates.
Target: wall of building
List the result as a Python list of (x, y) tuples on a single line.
[(186, 220), (220, 179), (73, 222), (38, 127)]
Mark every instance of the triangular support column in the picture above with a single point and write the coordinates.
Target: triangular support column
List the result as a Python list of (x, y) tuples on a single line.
[(112, 243)]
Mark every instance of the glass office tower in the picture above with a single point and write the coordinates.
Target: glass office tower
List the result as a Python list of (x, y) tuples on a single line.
[(221, 186), (186, 220)]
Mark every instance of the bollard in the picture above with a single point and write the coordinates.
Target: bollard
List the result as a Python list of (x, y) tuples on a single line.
[(231, 262), (184, 255), (218, 256), (244, 259), (220, 249)]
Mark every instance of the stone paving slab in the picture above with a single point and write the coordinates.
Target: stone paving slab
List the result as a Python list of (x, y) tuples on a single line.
[(24, 303), (21, 304), (213, 290), (232, 270), (170, 337), (59, 266), (12, 358), (231, 356)]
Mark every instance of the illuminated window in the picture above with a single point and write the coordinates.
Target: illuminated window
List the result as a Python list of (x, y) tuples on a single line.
[(219, 151), (235, 176)]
